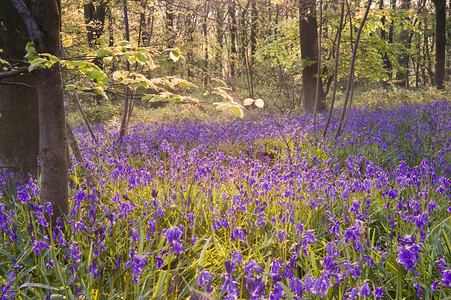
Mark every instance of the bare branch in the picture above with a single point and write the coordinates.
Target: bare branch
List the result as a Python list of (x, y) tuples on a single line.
[(13, 72), (19, 84), (32, 26)]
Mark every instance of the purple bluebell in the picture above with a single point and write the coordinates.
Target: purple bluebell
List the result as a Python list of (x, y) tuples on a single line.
[(446, 278), (365, 290), (205, 279), (7, 292), (408, 256), (255, 287), (174, 237)]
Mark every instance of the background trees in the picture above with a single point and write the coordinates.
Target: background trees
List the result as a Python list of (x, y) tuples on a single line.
[(261, 49)]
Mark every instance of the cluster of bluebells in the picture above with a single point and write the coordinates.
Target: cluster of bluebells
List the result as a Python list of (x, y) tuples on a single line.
[(300, 221)]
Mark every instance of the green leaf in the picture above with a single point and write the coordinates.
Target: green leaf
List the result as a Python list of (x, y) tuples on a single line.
[(248, 101), (175, 55), (99, 76), (51, 58), (147, 97), (131, 58), (38, 285), (237, 111), (30, 48), (158, 98), (36, 63), (259, 103), (99, 91), (4, 62), (142, 58), (67, 42), (222, 106), (70, 87), (103, 53), (73, 64)]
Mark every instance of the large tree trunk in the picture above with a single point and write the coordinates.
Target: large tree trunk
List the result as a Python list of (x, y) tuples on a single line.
[(309, 52), (440, 42), (52, 122), (19, 118), (43, 26)]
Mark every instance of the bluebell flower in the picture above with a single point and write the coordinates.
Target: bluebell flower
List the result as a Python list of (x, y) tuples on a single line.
[(365, 290), (236, 257), (321, 285), (275, 270), (23, 196), (238, 233), (93, 270), (379, 292), (48, 209), (74, 252), (408, 256), (205, 279), (160, 262), (352, 293), (299, 228), (355, 207), (297, 286), (49, 265), (174, 236), (252, 266), (7, 292), (282, 236), (277, 293), (255, 287), (134, 234), (39, 246), (230, 286), (419, 291), (446, 278), (136, 264)]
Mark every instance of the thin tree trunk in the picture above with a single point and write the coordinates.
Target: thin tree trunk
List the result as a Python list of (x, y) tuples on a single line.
[(233, 33), (205, 35), (77, 101), (123, 128), (402, 76), (350, 84), (337, 56), (387, 62), (318, 73)]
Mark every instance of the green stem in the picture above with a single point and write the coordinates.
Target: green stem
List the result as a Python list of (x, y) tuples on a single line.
[(399, 283)]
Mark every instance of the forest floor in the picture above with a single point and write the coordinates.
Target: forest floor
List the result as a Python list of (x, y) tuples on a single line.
[(253, 208)]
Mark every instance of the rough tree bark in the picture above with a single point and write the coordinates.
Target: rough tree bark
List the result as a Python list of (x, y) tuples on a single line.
[(19, 118), (43, 26), (440, 42), (309, 53)]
